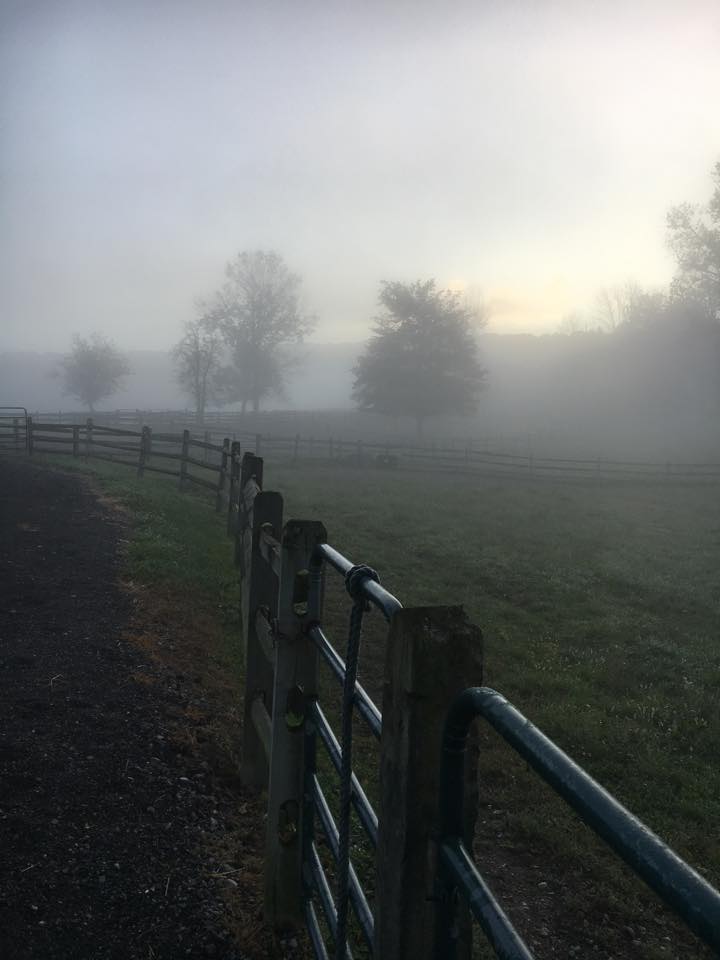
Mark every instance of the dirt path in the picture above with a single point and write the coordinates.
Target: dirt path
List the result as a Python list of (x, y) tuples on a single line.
[(105, 819)]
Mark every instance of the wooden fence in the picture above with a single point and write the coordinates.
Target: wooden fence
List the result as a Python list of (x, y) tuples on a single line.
[(425, 886), (194, 461), (473, 456)]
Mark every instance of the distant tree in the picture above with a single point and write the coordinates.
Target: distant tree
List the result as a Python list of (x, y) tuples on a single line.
[(197, 359), (614, 306), (257, 310), (422, 360), (573, 322), (93, 370), (694, 238)]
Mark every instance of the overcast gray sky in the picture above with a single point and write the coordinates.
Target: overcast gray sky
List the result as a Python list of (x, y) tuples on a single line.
[(528, 148)]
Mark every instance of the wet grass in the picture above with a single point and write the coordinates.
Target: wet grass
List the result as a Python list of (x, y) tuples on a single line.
[(600, 608)]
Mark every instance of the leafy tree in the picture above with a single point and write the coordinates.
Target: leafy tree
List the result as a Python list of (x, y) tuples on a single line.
[(257, 310), (422, 360), (93, 370), (197, 361), (694, 238)]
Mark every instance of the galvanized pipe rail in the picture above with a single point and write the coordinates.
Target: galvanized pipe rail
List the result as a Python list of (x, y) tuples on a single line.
[(684, 890), (364, 588)]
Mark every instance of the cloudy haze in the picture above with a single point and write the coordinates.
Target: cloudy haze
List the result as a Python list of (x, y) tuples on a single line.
[(531, 150)]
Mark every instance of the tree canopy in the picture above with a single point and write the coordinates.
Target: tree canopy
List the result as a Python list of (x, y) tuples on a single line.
[(93, 370), (694, 238), (422, 360), (257, 310)]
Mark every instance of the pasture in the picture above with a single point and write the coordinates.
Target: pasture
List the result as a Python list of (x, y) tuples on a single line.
[(600, 608)]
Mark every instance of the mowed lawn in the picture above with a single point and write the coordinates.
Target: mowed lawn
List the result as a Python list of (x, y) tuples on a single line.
[(600, 607)]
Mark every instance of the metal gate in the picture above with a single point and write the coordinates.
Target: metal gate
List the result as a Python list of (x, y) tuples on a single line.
[(13, 429)]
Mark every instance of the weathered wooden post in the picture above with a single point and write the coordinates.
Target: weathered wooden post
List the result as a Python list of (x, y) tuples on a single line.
[(144, 451), (184, 454), (76, 440), (433, 654), (259, 599), (250, 483), (295, 686), (30, 436), (222, 477), (88, 437), (234, 489)]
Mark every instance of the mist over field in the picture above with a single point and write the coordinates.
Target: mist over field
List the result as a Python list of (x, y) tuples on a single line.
[(525, 156)]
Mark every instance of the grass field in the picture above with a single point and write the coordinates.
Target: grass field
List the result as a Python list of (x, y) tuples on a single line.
[(600, 607)]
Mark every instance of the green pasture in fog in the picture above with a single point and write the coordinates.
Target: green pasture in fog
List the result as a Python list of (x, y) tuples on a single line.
[(600, 609)]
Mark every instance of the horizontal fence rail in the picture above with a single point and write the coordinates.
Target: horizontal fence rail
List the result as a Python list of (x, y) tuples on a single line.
[(140, 449), (501, 458), (692, 898)]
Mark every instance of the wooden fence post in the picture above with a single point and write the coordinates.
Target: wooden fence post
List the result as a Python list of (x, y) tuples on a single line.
[(144, 451), (76, 440), (433, 654), (295, 684), (184, 454), (29, 429), (88, 437), (259, 600), (251, 469), (223, 474), (234, 489)]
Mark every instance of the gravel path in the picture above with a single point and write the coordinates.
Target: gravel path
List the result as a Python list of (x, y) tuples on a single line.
[(103, 817)]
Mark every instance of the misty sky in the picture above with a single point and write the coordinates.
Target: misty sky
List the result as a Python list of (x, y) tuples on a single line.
[(528, 149)]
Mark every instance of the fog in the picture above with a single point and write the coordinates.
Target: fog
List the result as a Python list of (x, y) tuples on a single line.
[(527, 151)]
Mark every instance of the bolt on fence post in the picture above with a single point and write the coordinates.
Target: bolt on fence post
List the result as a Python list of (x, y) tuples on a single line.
[(222, 475), (295, 687), (88, 437), (260, 589), (249, 485), (29, 428), (433, 654), (184, 454), (234, 489)]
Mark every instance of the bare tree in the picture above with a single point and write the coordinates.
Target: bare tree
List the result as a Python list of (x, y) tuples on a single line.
[(94, 369), (257, 310), (197, 361), (614, 305)]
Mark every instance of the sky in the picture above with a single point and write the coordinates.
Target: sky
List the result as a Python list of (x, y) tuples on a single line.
[(527, 150)]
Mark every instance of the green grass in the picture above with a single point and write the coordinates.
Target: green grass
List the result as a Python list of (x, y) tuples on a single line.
[(600, 608)]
